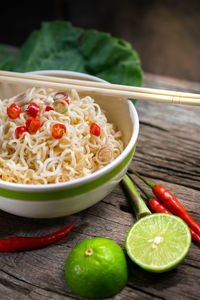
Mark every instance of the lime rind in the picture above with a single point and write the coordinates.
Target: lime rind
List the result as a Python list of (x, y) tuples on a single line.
[(141, 243), (100, 275)]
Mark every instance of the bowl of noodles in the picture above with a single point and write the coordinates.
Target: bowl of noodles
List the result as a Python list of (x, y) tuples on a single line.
[(61, 151)]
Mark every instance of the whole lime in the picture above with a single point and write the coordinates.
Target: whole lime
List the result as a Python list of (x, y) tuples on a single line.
[(96, 268)]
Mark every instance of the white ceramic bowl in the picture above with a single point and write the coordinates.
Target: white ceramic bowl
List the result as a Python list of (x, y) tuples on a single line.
[(54, 200)]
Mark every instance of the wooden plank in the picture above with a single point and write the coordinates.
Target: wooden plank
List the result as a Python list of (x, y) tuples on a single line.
[(167, 153)]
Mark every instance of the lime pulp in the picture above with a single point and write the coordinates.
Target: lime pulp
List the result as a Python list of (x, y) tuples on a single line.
[(158, 242)]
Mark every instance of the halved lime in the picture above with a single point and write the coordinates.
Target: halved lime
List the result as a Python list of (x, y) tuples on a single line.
[(158, 242)]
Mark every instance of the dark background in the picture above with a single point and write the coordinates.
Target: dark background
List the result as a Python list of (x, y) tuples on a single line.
[(166, 33)]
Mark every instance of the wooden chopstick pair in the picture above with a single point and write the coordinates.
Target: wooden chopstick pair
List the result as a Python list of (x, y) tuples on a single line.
[(93, 87)]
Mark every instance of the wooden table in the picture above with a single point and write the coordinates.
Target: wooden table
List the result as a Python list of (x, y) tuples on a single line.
[(168, 153)]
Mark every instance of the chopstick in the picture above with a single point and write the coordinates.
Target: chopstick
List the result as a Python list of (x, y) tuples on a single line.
[(98, 84), (93, 87)]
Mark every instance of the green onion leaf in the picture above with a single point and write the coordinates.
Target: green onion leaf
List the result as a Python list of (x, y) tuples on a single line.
[(61, 106)]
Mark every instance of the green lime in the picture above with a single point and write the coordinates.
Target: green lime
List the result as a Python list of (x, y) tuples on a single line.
[(96, 268), (158, 242)]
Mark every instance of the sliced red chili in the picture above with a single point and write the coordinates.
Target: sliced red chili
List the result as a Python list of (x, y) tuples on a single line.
[(48, 108), (19, 131), (33, 110), (95, 129), (32, 125), (67, 101), (58, 130), (13, 111)]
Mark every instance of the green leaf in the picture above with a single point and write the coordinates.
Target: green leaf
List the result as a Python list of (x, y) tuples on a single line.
[(60, 46), (102, 51), (111, 59), (7, 61), (54, 46)]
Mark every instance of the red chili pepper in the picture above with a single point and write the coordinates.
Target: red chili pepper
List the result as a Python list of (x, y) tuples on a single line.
[(33, 110), (19, 131), (95, 129), (48, 108), (20, 243), (170, 202), (13, 111), (32, 125), (58, 130), (174, 205), (157, 207)]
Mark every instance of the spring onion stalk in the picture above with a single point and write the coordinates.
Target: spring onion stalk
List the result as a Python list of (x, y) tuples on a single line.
[(138, 204), (131, 171)]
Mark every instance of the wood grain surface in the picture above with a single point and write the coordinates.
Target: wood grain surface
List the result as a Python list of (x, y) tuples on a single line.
[(168, 153)]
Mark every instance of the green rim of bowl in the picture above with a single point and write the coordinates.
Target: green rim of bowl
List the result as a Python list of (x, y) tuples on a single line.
[(68, 192)]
